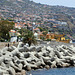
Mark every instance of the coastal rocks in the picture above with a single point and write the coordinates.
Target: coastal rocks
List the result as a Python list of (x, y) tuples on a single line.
[(47, 66), (4, 72), (11, 71), (38, 48), (15, 59), (23, 72)]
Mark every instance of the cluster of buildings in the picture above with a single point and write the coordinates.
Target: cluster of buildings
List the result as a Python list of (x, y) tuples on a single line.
[(52, 37), (37, 32), (30, 15)]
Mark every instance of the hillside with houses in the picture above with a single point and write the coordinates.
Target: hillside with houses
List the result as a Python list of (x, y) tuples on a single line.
[(45, 20)]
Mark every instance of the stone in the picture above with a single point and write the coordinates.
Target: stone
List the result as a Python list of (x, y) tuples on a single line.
[(32, 48), (23, 72), (28, 68), (21, 49), (12, 71), (47, 67), (26, 55), (38, 48), (53, 64), (26, 49)]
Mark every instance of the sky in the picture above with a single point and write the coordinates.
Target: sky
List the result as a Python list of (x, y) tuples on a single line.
[(68, 3)]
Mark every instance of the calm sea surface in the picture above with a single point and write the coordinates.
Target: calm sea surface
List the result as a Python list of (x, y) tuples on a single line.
[(56, 71)]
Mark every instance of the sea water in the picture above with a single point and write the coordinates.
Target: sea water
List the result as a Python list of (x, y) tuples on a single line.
[(55, 71)]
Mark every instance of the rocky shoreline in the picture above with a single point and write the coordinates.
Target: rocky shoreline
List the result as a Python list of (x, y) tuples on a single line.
[(18, 60)]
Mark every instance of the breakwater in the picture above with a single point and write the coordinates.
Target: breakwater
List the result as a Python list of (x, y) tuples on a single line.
[(23, 58)]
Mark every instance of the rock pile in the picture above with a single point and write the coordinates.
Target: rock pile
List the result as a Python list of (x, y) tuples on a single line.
[(17, 59)]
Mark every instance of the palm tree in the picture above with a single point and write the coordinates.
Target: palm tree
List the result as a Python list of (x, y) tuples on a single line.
[(29, 38)]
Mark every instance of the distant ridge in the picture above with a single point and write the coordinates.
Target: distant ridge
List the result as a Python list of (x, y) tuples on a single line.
[(30, 7), (18, 8)]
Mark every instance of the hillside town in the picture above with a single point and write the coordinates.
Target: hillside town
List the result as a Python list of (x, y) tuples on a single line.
[(39, 18), (43, 31), (56, 29)]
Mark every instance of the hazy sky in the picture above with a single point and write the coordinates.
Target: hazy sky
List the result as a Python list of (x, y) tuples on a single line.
[(69, 3)]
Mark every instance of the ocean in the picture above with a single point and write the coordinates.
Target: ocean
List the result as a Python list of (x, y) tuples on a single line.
[(54, 71)]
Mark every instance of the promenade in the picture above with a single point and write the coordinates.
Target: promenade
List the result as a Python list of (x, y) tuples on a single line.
[(3, 44)]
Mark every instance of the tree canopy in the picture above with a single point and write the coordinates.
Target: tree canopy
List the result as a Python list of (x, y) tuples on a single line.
[(5, 27), (28, 36)]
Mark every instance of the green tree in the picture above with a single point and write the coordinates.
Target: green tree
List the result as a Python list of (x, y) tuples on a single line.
[(28, 36), (5, 27), (45, 33), (41, 29)]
